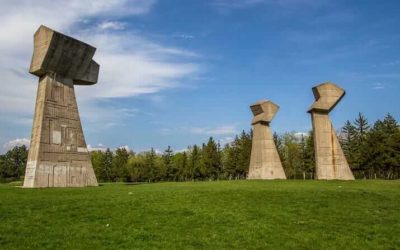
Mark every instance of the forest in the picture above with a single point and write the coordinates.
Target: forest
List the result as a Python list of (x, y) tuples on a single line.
[(372, 151)]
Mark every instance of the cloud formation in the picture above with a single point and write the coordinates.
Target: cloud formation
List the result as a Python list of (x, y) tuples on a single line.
[(131, 64), (16, 142), (220, 130), (234, 4), (378, 86)]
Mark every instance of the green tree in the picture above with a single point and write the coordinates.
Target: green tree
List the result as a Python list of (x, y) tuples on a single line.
[(180, 164), (230, 160), (170, 168), (292, 156), (195, 163), (348, 140), (12, 164), (379, 150), (244, 150), (361, 127), (119, 168), (97, 158), (309, 157), (211, 159), (149, 171), (106, 166)]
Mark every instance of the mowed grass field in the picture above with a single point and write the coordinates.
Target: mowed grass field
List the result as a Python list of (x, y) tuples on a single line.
[(204, 215)]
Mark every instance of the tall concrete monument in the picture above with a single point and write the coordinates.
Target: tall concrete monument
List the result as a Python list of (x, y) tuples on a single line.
[(264, 161), (330, 160), (58, 156)]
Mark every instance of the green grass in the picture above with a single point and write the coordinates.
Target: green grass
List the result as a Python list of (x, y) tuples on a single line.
[(204, 215)]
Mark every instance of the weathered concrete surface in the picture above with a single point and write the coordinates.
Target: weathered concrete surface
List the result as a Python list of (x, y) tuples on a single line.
[(330, 160), (58, 156), (264, 162)]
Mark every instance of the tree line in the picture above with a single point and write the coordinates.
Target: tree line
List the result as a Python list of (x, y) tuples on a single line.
[(372, 150)]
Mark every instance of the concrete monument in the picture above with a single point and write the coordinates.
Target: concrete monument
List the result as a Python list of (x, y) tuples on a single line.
[(58, 156), (264, 162), (330, 160)]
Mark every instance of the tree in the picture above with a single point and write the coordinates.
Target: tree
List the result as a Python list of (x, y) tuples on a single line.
[(292, 155), (379, 149), (180, 164), (97, 158), (119, 165), (106, 166), (12, 164), (348, 137), (211, 159), (244, 149), (309, 155), (195, 164), (230, 160), (150, 168), (170, 169), (361, 127)]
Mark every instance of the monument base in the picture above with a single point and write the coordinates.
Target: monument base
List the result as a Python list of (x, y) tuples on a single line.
[(58, 156)]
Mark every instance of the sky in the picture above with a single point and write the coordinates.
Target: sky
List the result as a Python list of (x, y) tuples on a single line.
[(175, 72)]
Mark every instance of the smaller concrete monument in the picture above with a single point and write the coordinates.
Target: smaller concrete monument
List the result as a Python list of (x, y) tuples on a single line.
[(264, 162), (330, 160)]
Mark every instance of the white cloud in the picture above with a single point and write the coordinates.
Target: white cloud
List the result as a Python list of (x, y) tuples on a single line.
[(226, 140), (126, 147), (236, 3), (16, 142), (183, 36), (130, 64), (183, 150), (98, 147), (111, 25), (220, 130), (210, 131), (299, 135), (378, 86)]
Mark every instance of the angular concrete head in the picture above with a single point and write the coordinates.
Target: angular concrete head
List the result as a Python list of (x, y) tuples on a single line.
[(327, 95), (64, 56), (263, 111)]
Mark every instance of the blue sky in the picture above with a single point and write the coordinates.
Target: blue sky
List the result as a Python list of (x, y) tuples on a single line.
[(176, 72)]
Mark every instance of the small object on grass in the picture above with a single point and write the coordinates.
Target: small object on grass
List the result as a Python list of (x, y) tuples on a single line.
[(107, 225)]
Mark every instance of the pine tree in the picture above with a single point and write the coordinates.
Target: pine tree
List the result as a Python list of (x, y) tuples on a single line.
[(244, 149), (361, 126), (348, 142), (361, 130), (279, 146), (302, 148), (195, 163), (230, 160), (211, 159), (170, 169), (380, 149), (309, 155)]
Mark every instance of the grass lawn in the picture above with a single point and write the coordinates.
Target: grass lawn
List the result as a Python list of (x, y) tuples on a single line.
[(205, 215)]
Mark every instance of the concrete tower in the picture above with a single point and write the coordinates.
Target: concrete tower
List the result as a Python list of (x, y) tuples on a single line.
[(264, 161), (330, 160), (58, 156)]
